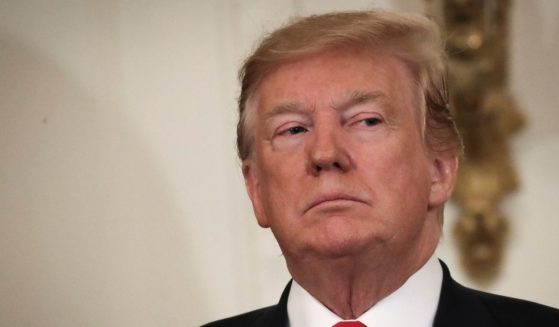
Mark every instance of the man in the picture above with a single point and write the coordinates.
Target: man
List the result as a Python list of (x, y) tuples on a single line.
[(349, 155)]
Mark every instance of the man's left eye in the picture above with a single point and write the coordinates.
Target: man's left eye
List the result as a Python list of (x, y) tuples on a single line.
[(371, 121)]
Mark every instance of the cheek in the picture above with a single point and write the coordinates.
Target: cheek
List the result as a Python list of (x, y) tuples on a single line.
[(279, 187), (398, 169)]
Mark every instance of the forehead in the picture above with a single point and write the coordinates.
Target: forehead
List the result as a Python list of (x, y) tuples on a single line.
[(324, 78)]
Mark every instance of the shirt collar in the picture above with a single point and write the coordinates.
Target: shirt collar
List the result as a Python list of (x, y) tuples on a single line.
[(413, 304)]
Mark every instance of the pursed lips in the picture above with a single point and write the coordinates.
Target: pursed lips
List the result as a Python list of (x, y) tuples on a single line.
[(323, 198)]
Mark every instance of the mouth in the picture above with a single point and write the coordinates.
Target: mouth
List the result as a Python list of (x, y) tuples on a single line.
[(334, 199)]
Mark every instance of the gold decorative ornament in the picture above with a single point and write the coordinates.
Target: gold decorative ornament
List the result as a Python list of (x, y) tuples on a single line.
[(487, 116)]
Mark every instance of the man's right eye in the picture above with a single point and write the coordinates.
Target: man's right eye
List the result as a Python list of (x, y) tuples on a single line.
[(293, 130), (296, 130)]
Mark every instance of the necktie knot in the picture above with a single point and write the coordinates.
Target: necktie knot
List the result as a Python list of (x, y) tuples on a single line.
[(349, 324)]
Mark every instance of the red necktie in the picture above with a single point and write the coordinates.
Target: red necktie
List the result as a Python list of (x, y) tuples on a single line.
[(349, 324)]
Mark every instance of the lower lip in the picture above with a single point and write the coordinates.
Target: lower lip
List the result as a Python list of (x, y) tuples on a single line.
[(337, 204)]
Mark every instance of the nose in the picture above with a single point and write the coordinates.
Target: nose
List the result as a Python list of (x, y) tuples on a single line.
[(328, 150)]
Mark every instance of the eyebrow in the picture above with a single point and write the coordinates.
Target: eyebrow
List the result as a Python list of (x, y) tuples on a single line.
[(354, 98), (358, 97), (286, 108)]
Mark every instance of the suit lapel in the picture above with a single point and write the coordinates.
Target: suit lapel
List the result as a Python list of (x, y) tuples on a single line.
[(459, 306), (275, 316)]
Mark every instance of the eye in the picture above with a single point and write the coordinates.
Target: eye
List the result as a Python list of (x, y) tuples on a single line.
[(293, 130), (372, 121)]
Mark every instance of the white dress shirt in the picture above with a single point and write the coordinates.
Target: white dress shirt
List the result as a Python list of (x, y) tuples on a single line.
[(413, 304)]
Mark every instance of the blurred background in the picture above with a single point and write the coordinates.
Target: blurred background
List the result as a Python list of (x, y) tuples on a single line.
[(121, 198)]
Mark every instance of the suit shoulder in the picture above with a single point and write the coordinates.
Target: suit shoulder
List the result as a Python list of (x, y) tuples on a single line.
[(460, 306), (516, 312), (251, 318), (272, 316)]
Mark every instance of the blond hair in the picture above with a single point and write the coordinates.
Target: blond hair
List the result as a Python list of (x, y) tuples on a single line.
[(411, 38)]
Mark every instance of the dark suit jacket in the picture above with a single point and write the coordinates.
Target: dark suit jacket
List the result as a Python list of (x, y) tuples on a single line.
[(458, 307)]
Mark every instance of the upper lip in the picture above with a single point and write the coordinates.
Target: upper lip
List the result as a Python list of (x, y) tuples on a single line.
[(331, 197)]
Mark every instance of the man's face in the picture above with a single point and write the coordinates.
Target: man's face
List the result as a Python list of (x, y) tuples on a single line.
[(339, 165)]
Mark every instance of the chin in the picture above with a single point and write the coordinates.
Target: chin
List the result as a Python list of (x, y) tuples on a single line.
[(338, 235), (341, 243), (330, 236), (339, 250)]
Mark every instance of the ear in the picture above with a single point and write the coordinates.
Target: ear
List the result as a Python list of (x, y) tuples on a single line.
[(252, 185), (443, 176)]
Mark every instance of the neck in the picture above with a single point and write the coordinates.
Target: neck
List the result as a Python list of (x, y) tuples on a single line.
[(350, 285)]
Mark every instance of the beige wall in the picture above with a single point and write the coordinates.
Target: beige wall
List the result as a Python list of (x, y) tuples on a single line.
[(121, 202)]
